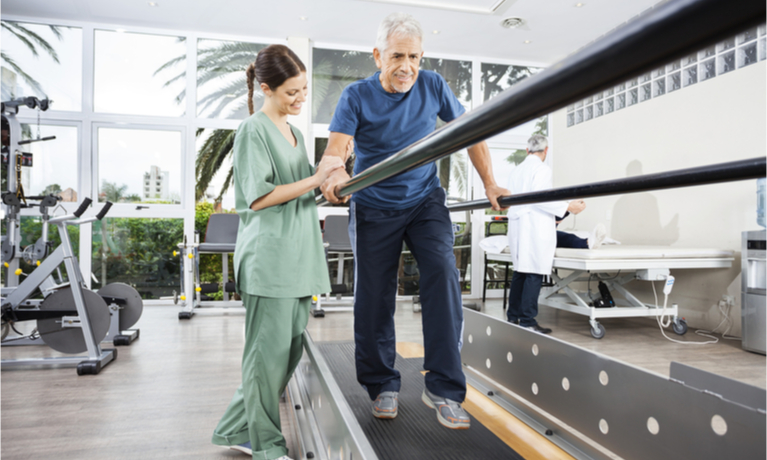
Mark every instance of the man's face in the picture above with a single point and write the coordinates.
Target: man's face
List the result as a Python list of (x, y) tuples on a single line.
[(399, 63)]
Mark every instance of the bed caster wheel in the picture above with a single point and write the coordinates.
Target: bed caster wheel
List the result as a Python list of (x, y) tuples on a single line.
[(88, 368), (121, 340), (185, 315), (598, 332), (318, 313), (175, 298), (680, 327)]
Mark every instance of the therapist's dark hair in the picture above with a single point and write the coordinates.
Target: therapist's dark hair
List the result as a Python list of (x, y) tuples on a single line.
[(274, 64)]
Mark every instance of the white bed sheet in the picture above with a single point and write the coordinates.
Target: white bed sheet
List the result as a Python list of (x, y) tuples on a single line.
[(642, 252)]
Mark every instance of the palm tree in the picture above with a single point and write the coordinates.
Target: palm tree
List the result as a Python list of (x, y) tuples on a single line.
[(113, 192), (224, 60), (32, 41)]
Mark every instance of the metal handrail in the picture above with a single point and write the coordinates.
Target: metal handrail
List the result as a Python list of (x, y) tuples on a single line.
[(668, 31), (703, 175)]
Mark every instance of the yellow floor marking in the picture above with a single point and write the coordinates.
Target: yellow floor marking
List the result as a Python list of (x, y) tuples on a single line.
[(410, 350)]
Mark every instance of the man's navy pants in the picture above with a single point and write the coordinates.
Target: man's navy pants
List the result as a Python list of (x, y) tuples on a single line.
[(377, 237)]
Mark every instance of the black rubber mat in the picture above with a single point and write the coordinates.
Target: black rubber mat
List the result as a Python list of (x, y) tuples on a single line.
[(415, 434)]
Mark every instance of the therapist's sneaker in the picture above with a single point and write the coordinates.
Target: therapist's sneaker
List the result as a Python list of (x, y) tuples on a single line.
[(385, 405), (597, 236), (245, 448), (449, 412), (538, 328)]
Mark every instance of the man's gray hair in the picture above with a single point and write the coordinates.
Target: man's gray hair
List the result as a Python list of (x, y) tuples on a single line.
[(537, 143), (401, 24)]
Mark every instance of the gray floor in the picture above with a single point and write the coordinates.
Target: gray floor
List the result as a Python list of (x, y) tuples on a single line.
[(164, 394)]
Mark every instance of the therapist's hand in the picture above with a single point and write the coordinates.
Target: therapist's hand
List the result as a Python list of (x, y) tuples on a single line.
[(328, 187), (494, 192), (576, 206)]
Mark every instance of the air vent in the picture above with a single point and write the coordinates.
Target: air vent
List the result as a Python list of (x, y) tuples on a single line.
[(512, 23)]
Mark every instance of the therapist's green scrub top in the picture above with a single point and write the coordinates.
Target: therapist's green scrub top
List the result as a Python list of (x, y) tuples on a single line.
[(279, 250)]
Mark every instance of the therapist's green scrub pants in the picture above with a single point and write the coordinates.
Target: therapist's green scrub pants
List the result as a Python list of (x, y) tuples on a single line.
[(273, 347)]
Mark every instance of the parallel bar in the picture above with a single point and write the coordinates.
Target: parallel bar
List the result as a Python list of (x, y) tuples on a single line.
[(667, 32), (703, 175)]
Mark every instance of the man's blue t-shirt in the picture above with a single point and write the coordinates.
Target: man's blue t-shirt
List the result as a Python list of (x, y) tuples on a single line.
[(384, 123)]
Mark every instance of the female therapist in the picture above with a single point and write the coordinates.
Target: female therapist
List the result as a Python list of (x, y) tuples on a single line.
[(279, 260)]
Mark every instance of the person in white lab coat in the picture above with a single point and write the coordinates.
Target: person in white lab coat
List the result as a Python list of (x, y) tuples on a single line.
[(532, 234)]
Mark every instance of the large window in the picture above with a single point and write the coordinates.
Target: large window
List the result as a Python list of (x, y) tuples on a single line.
[(213, 171), (55, 162), (139, 74), (456, 73), (221, 84), (333, 71), (137, 252), (139, 165), (42, 61)]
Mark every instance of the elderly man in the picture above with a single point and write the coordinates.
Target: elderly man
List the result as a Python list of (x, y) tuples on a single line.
[(532, 234), (384, 114)]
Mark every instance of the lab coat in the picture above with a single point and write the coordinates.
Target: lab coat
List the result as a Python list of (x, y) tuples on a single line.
[(532, 227)]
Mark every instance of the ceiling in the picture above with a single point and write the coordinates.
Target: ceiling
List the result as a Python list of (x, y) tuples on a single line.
[(554, 28)]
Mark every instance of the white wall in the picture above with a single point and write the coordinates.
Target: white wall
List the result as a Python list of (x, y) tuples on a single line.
[(719, 120)]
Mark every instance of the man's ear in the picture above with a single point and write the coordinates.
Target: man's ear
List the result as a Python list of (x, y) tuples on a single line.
[(378, 57)]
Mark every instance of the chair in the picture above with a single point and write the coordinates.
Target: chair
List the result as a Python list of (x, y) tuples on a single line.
[(336, 238), (220, 238)]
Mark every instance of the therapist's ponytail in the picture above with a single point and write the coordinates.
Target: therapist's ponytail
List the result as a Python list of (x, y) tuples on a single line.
[(274, 64)]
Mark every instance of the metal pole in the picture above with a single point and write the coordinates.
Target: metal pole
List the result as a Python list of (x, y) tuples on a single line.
[(668, 31), (703, 175)]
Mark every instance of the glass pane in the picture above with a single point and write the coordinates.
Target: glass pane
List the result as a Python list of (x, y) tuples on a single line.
[(620, 87), (747, 55), (690, 75), (726, 62), (498, 77), (598, 97), (608, 92), (589, 113), (453, 173), (674, 81), (139, 166), (633, 96), (570, 107), (222, 89), (658, 89), (707, 52), (658, 72), (632, 83), (579, 116), (762, 49), (609, 105), (579, 104), (691, 59), (333, 71), (598, 109), (647, 77), (620, 101), (762, 30), (676, 65), (139, 252), (726, 45), (707, 69), (456, 73), (747, 36), (588, 100), (54, 163), (214, 148), (139, 74), (53, 70), (570, 119)]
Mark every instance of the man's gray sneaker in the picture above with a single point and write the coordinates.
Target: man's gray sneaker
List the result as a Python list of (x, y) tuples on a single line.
[(449, 412), (385, 405)]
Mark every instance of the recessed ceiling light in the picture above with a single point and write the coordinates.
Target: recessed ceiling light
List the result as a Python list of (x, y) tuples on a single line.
[(435, 32), (527, 42), (152, 3), (303, 18), (578, 5), (511, 23)]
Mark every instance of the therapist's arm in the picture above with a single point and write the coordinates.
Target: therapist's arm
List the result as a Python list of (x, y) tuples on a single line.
[(284, 193), (339, 145), (480, 158)]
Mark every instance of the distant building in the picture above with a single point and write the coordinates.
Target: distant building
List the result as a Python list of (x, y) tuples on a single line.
[(68, 195), (156, 185)]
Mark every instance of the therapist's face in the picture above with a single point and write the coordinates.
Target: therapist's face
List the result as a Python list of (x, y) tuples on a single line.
[(289, 97), (399, 63)]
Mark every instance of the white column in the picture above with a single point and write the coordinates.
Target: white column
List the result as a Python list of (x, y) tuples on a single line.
[(303, 49)]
